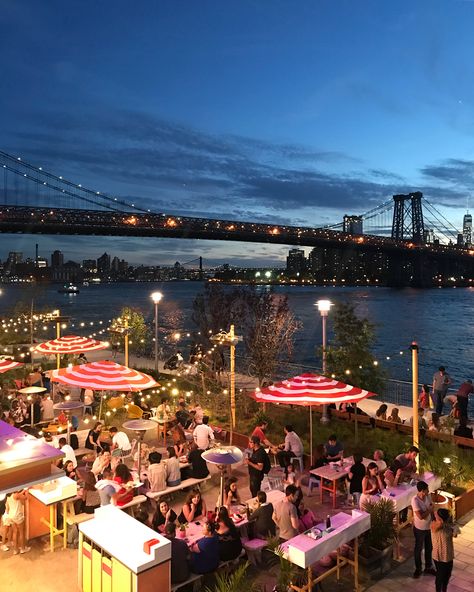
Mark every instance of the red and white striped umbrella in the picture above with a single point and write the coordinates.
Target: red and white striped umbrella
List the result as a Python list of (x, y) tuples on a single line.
[(311, 389), (6, 365), (70, 344), (104, 376)]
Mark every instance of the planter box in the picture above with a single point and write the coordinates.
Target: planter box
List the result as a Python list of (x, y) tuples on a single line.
[(378, 564), (463, 503)]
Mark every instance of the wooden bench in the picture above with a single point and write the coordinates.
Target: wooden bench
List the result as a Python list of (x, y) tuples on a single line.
[(464, 442), (191, 482), (78, 518), (194, 579)]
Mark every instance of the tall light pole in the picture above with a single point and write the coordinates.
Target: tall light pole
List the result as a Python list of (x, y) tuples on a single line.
[(416, 427), (156, 297), (324, 307)]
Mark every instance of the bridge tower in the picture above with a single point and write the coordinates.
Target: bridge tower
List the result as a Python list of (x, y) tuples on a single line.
[(408, 218)]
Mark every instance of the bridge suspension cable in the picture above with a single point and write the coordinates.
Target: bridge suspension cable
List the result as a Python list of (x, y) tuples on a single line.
[(17, 166)]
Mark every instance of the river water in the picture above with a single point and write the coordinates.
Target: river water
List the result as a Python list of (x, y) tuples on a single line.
[(439, 319)]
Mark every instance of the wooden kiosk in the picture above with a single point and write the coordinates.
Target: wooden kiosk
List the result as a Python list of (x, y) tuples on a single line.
[(113, 555)]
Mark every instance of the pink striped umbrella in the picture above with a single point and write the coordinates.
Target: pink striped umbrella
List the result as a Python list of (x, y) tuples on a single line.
[(6, 365), (311, 389), (70, 344), (104, 376)]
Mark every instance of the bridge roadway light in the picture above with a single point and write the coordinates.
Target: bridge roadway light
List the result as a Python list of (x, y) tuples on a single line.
[(156, 297), (324, 306)]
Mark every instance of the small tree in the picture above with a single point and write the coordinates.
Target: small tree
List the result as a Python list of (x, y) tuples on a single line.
[(349, 357), (138, 333), (268, 327)]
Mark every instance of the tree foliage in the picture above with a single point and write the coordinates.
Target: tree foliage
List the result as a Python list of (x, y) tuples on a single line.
[(262, 318), (349, 356), (139, 336)]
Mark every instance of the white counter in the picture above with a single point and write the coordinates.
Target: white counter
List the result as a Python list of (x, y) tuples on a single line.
[(401, 495), (56, 490), (122, 537), (302, 550)]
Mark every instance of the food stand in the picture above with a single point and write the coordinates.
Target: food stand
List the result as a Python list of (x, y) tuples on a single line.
[(306, 549), (113, 555)]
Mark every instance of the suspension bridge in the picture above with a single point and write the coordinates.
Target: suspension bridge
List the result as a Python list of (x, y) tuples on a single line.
[(417, 248)]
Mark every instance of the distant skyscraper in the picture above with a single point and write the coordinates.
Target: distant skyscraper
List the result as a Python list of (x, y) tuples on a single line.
[(295, 262), (103, 264), (467, 229), (57, 259), (353, 224)]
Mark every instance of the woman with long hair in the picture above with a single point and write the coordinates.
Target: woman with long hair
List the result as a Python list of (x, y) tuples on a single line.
[(230, 544), (194, 508)]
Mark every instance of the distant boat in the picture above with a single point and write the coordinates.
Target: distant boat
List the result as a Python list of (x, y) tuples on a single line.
[(85, 283), (69, 289)]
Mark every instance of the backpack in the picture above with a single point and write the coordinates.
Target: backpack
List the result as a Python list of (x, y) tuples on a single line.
[(267, 465)]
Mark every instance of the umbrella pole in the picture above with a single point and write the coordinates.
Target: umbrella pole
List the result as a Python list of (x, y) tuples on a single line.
[(221, 494), (356, 430), (100, 406), (68, 429), (31, 413), (311, 434)]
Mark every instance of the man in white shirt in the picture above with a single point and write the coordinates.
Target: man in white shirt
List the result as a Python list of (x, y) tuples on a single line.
[(47, 409), (120, 440), (422, 509), (68, 452), (203, 434)]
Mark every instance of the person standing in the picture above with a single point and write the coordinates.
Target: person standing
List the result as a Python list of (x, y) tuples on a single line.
[(462, 396), (422, 508), (258, 463), (441, 382), (442, 533)]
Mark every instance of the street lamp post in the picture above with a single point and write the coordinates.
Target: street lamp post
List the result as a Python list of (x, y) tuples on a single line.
[(324, 307), (156, 297), (416, 427)]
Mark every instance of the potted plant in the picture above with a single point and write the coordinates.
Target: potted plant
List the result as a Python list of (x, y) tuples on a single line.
[(287, 572), (234, 581), (376, 548), (182, 531)]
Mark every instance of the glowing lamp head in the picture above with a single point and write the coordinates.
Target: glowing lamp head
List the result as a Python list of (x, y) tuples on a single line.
[(324, 306), (156, 297)]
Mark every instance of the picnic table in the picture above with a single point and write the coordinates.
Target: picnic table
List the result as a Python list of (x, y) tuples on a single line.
[(332, 472)]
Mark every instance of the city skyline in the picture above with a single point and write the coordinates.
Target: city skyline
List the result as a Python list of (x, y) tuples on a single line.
[(294, 116)]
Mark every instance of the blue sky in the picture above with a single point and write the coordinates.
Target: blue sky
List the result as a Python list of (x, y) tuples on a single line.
[(280, 111)]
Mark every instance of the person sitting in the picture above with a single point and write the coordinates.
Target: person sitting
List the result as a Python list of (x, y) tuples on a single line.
[(334, 449), (203, 434), (47, 409), (355, 477), (379, 459), (307, 518), (163, 516), (69, 469), (381, 412), (422, 425), (163, 411), (173, 474), (291, 478), (319, 460), (124, 478), (120, 441), (199, 468), (262, 518), (434, 425), (231, 494), (407, 461), (34, 378), (394, 417), (230, 545), (103, 461), (198, 414), (179, 440), (393, 475), (371, 485), (93, 438), (90, 499), (73, 439), (67, 451), (156, 472), (260, 431), (291, 448), (424, 398), (180, 556), (107, 487), (194, 508), (285, 514), (463, 431), (183, 416), (205, 553)]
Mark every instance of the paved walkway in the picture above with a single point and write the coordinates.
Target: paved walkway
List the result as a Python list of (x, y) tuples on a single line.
[(462, 579)]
